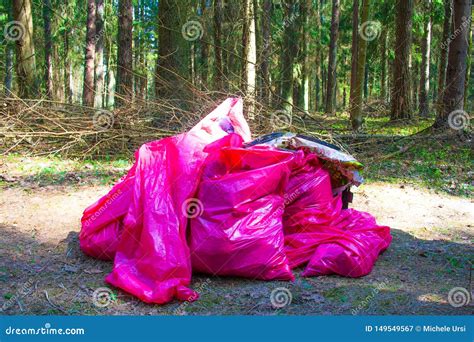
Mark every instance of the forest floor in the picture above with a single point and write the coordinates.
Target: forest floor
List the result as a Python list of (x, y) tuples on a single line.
[(424, 193)]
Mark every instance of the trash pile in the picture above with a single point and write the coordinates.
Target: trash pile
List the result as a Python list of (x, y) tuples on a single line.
[(212, 200)]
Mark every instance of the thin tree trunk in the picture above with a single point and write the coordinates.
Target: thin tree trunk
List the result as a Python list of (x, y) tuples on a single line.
[(468, 66), (266, 51), (331, 82), (443, 58), (8, 69), (8, 56), (401, 101), (48, 47), (305, 13), (425, 62), (383, 74), (88, 88), (218, 16), (205, 46), (124, 53), (355, 39), (289, 50), (249, 45), (67, 69), (360, 75), (25, 48), (110, 76), (456, 71), (99, 54)]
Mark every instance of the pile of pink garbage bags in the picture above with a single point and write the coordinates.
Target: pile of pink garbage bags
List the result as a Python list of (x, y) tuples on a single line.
[(206, 202)]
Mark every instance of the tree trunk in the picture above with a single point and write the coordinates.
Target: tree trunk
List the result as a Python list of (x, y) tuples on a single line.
[(124, 91), (8, 56), (401, 97), (305, 13), (288, 56), (331, 82), (355, 39), (67, 69), (173, 49), (99, 55), (48, 47), (22, 33), (8, 69), (425, 62), (456, 71), (468, 66), (88, 88), (266, 52), (110, 76), (360, 75), (383, 74), (205, 46), (249, 62), (218, 17), (443, 58)]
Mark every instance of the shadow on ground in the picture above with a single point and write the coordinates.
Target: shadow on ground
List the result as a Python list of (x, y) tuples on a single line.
[(413, 276)]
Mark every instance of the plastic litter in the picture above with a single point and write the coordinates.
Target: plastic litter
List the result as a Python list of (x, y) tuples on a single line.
[(229, 206)]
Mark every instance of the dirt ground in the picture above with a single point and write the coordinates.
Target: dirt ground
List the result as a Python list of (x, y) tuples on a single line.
[(43, 271)]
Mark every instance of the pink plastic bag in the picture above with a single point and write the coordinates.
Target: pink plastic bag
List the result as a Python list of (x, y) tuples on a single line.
[(239, 232), (334, 241), (152, 258)]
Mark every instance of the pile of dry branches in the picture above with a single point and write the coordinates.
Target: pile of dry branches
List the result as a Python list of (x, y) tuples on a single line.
[(42, 127)]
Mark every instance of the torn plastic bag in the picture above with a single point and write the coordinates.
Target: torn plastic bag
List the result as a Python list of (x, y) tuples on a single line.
[(152, 258), (239, 232), (344, 242), (102, 222)]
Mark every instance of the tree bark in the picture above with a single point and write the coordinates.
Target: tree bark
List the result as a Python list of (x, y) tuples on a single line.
[(249, 46), (124, 91), (457, 56), (8, 57), (218, 17), (383, 61), (401, 101), (88, 88), (443, 58), (305, 13), (288, 56), (25, 48), (425, 62), (99, 55), (355, 39), (173, 49), (360, 75), (266, 52), (48, 48), (331, 82), (204, 46)]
